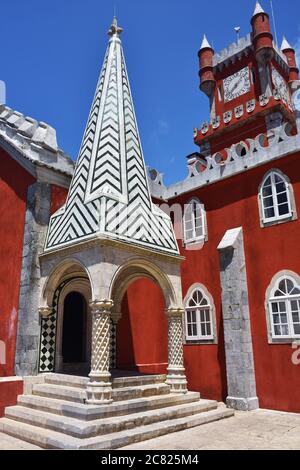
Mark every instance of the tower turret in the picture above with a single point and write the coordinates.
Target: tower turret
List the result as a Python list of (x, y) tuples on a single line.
[(206, 73), (262, 36), (290, 54)]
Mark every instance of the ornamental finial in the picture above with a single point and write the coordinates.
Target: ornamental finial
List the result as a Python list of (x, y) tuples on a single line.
[(115, 30)]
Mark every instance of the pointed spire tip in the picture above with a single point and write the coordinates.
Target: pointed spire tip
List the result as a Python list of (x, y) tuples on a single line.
[(285, 44), (258, 9), (205, 44)]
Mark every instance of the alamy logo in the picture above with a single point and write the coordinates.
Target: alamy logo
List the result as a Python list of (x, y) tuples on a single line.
[(296, 354), (2, 92), (2, 353)]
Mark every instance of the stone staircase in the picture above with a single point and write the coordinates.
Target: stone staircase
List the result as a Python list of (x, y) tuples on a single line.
[(53, 415)]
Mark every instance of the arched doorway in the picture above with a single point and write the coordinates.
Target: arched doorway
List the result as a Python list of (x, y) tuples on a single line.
[(74, 330), (142, 332)]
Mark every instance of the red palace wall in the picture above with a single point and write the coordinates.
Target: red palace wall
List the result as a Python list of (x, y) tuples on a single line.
[(232, 203), (9, 391), (142, 338), (14, 183)]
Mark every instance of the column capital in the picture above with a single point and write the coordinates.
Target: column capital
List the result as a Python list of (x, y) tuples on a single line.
[(116, 316), (175, 312), (45, 312), (101, 306)]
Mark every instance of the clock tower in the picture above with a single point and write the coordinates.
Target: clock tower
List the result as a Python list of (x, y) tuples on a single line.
[(249, 86)]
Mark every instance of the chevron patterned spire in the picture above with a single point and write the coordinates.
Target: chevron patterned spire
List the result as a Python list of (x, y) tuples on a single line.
[(109, 193)]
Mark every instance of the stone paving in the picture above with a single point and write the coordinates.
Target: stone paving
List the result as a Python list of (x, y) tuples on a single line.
[(260, 429)]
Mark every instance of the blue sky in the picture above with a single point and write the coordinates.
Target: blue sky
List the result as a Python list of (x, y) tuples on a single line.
[(52, 52)]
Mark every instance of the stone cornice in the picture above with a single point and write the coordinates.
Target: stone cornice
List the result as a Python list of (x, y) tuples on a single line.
[(101, 240)]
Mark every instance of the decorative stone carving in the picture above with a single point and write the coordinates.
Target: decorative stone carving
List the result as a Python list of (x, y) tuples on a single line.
[(239, 111), (227, 116), (264, 100), (45, 312), (176, 372), (205, 128), (99, 387), (250, 106), (216, 122)]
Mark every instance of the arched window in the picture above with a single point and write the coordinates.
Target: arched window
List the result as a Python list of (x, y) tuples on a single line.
[(194, 222), (198, 316), (275, 198), (284, 308)]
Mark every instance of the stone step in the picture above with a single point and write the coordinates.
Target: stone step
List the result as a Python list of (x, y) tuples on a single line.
[(56, 440), (78, 395), (134, 381), (66, 380), (117, 382), (140, 391), (63, 392), (88, 412), (86, 429)]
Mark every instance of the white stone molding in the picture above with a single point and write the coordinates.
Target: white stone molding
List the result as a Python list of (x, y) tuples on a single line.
[(277, 143), (291, 201), (99, 389), (270, 288), (203, 288), (176, 378)]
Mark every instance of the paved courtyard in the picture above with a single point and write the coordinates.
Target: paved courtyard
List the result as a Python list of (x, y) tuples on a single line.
[(259, 429)]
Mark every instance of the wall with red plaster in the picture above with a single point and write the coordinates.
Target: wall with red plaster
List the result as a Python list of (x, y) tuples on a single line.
[(142, 338), (233, 203), (9, 392), (14, 183)]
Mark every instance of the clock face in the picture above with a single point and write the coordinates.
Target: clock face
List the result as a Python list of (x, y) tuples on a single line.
[(281, 85), (237, 84)]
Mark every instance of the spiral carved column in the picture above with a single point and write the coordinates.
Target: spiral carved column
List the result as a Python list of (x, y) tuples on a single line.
[(99, 389), (176, 373)]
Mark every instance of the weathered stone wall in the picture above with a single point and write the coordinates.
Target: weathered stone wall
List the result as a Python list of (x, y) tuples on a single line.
[(237, 328), (36, 223)]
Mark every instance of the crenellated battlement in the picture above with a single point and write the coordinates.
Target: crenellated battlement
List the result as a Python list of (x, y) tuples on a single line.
[(278, 142)]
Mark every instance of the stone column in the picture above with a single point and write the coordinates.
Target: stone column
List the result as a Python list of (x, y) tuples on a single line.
[(29, 328), (237, 328), (176, 372), (99, 389), (115, 317)]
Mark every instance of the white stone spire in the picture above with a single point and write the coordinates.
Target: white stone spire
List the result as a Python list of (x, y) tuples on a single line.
[(109, 196), (205, 44), (285, 44), (258, 9)]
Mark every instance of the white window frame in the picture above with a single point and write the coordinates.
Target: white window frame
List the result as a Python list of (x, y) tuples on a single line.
[(286, 299), (277, 217), (198, 309), (194, 238)]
